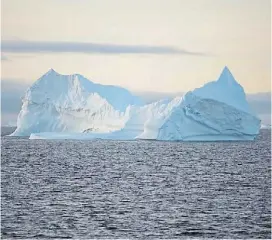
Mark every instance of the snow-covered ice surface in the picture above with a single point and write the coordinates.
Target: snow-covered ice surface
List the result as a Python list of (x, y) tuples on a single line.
[(72, 103), (71, 107), (227, 90)]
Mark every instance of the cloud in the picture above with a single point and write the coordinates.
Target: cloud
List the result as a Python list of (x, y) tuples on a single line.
[(4, 58), (150, 97), (12, 90), (19, 46)]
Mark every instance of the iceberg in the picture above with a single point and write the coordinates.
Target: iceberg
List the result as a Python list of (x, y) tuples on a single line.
[(72, 107), (72, 103)]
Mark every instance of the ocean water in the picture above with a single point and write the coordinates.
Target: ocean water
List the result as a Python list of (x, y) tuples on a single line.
[(135, 189)]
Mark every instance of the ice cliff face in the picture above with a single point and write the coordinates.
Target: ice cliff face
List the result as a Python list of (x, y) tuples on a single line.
[(60, 103), (70, 106), (203, 119), (216, 111)]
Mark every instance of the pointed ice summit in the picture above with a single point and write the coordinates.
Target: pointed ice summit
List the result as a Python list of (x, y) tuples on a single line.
[(227, 90), (72, 107), (226, 77)]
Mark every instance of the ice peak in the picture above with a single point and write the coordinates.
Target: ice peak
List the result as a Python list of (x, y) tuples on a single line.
[(51, 71), (226, 76)]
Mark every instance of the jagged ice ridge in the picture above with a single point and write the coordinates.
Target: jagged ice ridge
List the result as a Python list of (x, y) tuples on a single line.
[(72, 107)]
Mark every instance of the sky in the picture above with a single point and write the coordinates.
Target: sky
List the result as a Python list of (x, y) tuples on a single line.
[(153, 46)]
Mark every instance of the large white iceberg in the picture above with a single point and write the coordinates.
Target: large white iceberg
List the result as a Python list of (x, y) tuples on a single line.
[(72, 103), (72, 107)]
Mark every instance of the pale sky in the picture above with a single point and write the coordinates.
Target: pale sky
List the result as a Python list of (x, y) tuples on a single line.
[(154, 45)]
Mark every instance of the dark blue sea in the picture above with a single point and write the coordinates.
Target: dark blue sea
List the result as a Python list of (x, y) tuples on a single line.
[(100, 189)]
